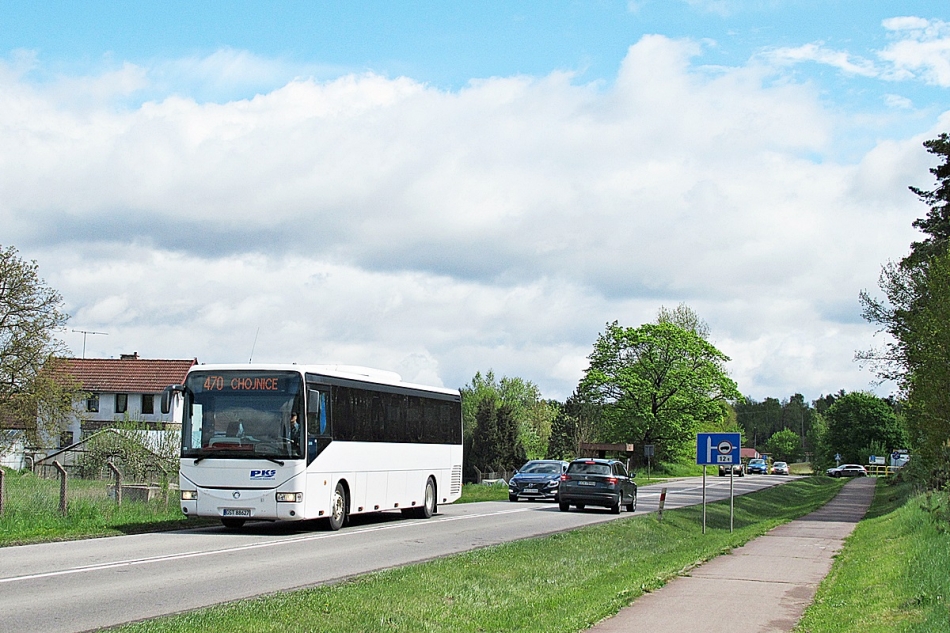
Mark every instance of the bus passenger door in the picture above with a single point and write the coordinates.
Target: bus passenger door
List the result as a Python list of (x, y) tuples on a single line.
[(319, 432)]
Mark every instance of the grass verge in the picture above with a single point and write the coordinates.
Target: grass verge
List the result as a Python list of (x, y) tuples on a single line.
[(31, 512), (892, 575), (564, 582)]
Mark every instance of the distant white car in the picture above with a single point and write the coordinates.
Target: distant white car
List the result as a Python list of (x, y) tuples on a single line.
[(780, 468), (847, 470)]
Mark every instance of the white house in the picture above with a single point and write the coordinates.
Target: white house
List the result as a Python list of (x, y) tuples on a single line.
[(124, 388)]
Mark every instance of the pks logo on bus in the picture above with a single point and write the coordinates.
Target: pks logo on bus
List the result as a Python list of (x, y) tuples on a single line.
[(261, 475)]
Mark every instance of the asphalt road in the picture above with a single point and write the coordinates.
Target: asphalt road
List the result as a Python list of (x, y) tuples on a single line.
[(85, 585)]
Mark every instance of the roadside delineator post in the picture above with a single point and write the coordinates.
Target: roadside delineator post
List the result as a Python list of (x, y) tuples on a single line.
[(659, 512), (118, 483), (63, 485)]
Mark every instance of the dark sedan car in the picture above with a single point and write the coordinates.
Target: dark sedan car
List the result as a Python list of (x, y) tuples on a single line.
[(538, 479), (736, 470), (597, 482), (847, 470)]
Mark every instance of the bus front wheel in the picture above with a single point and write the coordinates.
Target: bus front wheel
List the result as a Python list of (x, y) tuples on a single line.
[(338, 508)]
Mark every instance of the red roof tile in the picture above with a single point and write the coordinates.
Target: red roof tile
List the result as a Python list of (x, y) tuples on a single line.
[(127, 375)]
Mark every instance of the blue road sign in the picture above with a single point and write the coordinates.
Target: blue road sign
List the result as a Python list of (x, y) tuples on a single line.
[(713, 449)]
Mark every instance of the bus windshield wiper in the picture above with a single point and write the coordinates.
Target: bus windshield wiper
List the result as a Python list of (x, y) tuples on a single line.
[(272, 459)]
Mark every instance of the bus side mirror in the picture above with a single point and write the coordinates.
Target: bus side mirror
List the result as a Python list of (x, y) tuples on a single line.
[(167, 396)]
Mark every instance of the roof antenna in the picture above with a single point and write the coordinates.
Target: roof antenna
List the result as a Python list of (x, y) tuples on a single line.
[(84, 333), (254, 345)]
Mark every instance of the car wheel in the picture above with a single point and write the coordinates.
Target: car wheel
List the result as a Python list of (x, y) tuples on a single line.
[(512, 497), (632, 506), (232, 523), (615, 508), (337, 508), (563, 507)]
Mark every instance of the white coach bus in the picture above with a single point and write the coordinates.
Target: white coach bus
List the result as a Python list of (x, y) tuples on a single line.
[(296, 442)]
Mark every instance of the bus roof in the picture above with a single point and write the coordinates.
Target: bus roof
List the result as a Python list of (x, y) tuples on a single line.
[(346, 372)]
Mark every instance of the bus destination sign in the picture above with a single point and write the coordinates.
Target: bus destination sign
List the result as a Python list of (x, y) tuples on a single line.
[(244, 382)]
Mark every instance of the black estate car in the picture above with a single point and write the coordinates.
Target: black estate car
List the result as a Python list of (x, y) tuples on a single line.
[(537, 479), (597, 482)]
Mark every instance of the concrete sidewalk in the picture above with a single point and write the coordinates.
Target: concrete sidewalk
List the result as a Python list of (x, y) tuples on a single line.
[(763, 586)]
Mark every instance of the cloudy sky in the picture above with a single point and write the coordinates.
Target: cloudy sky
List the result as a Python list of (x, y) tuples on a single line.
[(442, 188)]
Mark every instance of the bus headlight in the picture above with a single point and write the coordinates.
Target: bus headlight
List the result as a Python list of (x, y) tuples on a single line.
[(189, 495), (289, 497)]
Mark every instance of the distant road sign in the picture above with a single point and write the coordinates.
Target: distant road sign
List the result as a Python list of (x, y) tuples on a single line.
[(713, 449), (648, 450)]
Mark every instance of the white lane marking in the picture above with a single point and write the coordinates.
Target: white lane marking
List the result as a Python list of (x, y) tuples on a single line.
[(251, 546)]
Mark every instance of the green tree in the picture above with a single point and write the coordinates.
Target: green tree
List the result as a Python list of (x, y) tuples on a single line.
[(485, 453), (685, 317), (30, 314), (937, 223), (784, 446), (916, 313), (859, 420), (927, 385), (511, 453), (657, 384), (562, 443), (532, 415)]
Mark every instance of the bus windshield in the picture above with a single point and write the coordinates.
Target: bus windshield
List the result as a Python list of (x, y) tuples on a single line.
[(243, 414)]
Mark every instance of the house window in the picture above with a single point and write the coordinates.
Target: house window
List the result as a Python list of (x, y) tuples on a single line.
[(148, 403), (121, 402), (92, 403), (66, 439)]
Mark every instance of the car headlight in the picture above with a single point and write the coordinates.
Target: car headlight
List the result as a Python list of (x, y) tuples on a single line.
[(189, 495), (554, 484), (289, 497)]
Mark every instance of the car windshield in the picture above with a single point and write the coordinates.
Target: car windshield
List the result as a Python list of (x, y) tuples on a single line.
[(780, 464), (590, 468), (541, 468), (756, 461)]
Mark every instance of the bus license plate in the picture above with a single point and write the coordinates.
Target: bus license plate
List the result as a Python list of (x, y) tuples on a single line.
[(236, 512)]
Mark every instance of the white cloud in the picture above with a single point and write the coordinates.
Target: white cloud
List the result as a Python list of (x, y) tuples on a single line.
[(382, 222), (818, 53), (921, 50)]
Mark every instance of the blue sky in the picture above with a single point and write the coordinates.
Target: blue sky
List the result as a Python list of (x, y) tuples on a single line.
[(443, 188)]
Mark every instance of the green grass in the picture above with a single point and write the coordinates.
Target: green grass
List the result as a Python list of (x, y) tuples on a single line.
[(801, 468), (31, 511), (565, 582), (483, 492), (893, 574)]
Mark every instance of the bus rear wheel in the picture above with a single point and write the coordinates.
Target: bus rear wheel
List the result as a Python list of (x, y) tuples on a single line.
[(337, 508)]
